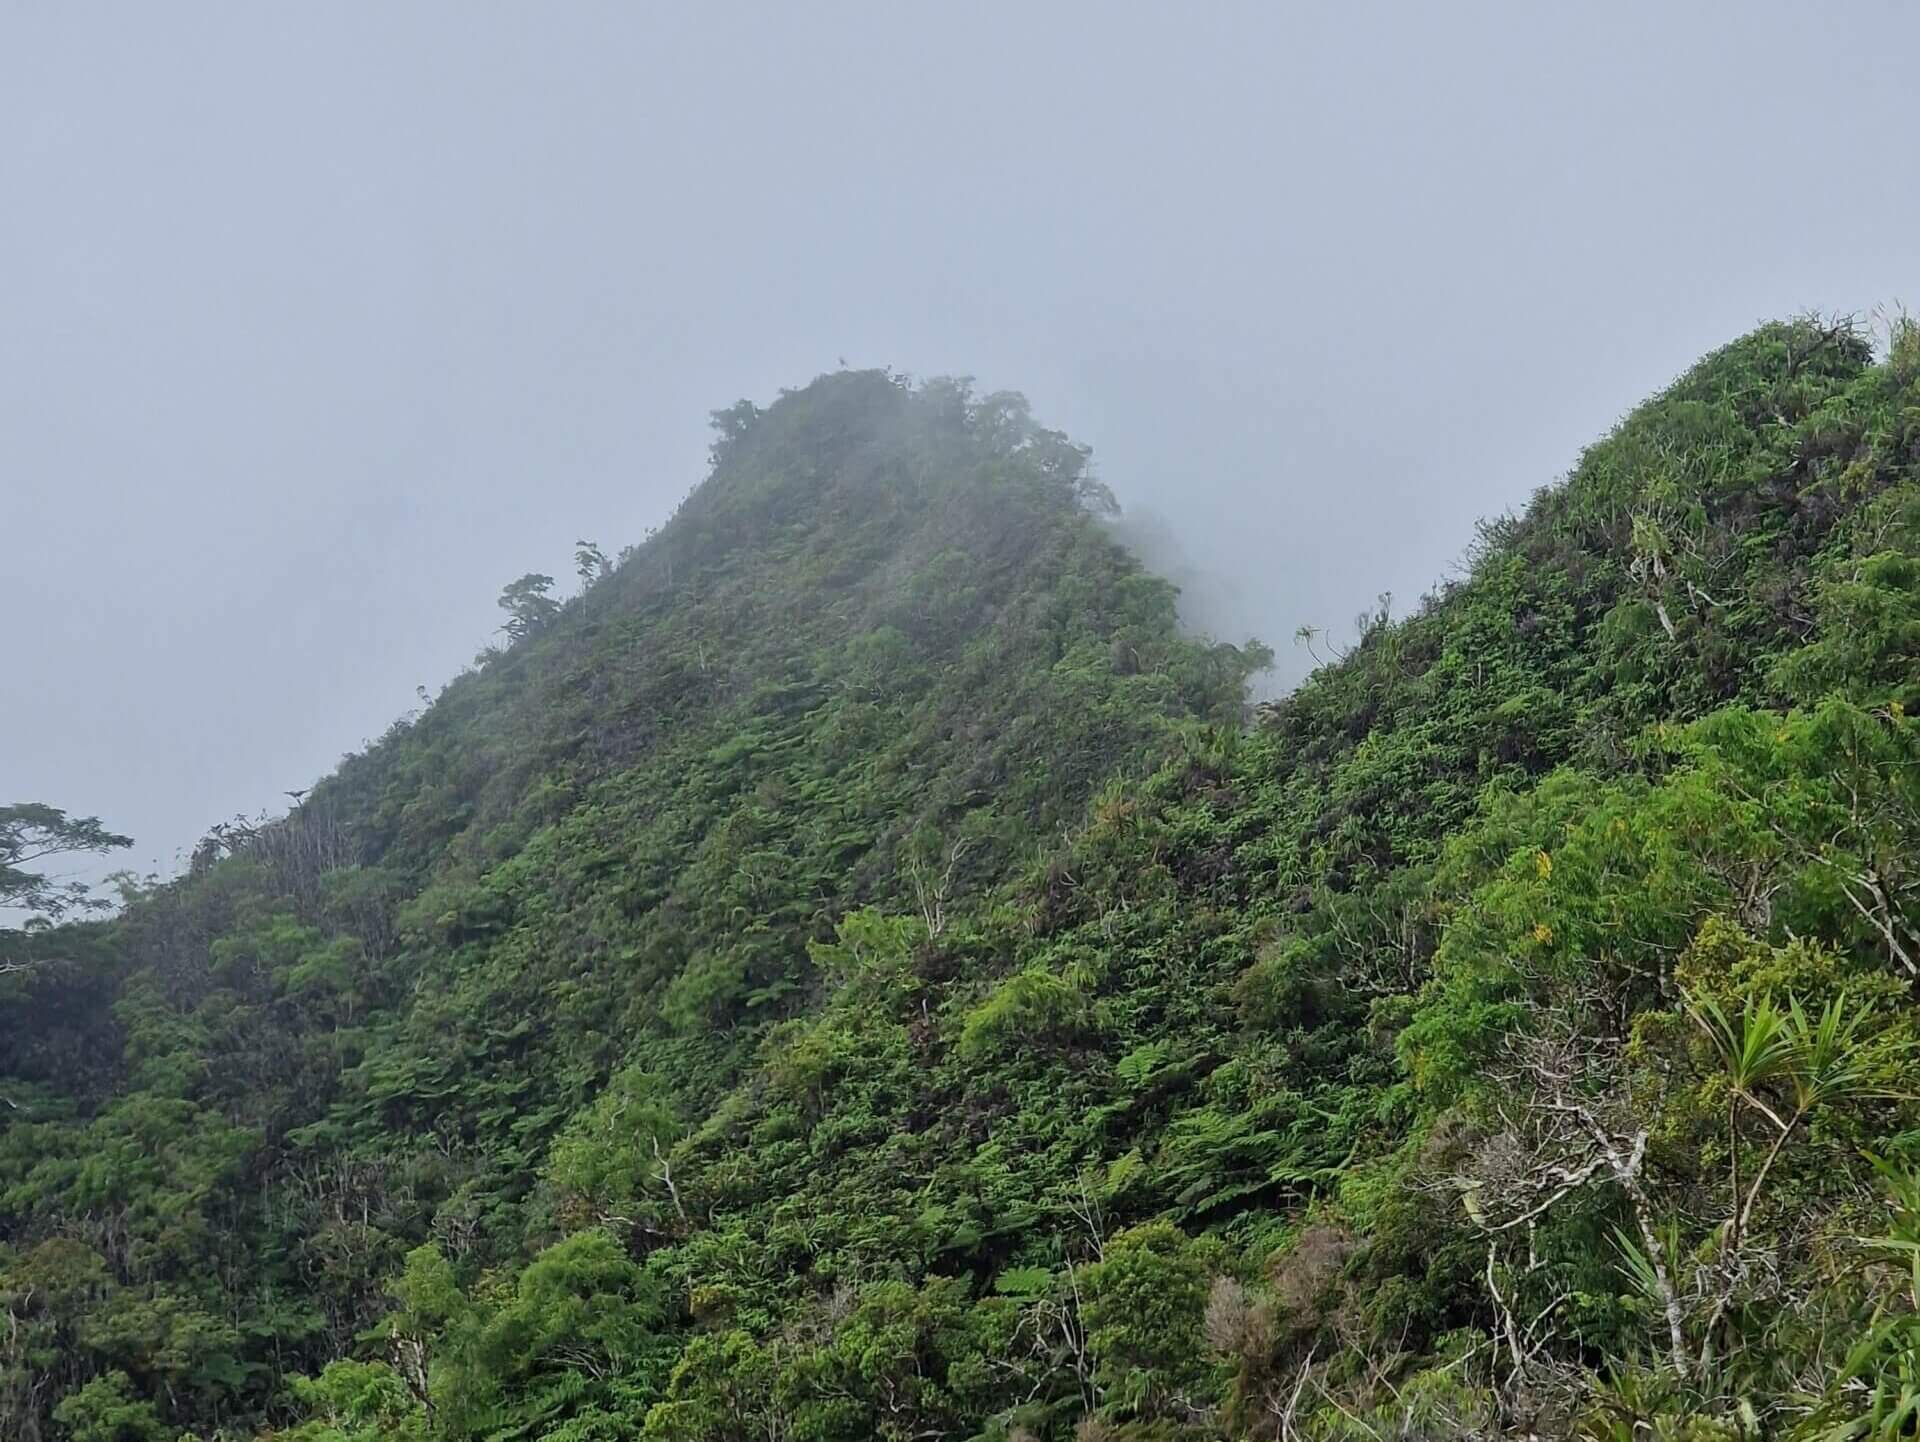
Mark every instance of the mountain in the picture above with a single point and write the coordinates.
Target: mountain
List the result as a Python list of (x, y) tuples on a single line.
[(858, 970)]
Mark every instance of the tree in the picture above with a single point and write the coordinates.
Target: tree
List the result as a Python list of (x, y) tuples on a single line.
[(1144, 1310), (32, 831), (527, 604), (590, 561), (356, 1402), (730, 427), (106, 1410)]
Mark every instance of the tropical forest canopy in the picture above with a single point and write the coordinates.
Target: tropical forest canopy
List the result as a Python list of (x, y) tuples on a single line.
[(853, 967)]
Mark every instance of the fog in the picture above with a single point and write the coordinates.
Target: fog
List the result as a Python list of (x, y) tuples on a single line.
[(322, 323)]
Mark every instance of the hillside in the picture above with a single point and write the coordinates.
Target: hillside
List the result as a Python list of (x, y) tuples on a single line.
[(855, 970)]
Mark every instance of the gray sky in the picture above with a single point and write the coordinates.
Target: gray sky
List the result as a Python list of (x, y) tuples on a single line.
[(319, 324)]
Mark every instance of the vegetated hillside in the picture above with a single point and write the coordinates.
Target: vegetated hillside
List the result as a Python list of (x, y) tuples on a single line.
[(852, 973), (886, 652)]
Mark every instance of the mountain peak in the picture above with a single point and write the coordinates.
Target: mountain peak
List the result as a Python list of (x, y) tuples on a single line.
[(853, 971)]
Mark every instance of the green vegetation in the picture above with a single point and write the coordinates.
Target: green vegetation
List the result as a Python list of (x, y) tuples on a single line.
[(854, 971), (31, 833)]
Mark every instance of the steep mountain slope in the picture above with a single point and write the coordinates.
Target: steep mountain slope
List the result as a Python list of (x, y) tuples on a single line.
[(884, 645), (852, 973)]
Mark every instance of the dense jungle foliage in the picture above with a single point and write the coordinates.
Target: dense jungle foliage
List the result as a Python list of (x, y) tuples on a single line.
[(856, 970)]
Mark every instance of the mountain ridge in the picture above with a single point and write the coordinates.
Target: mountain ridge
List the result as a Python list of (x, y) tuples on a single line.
[(852, 972)]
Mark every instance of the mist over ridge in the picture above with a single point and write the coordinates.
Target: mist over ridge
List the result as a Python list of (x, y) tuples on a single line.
[(855, 723)]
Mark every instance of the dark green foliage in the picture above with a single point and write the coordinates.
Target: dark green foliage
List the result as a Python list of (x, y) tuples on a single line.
[(852, 972)]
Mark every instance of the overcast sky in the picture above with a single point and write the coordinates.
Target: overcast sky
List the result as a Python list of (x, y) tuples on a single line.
[(319, 324)]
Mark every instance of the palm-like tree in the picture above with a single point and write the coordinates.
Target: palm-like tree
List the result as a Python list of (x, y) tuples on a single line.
[(1816, 1060)]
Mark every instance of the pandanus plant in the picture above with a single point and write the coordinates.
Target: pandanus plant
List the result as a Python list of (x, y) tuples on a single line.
[(1876, 1395), (1804, 1061)]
